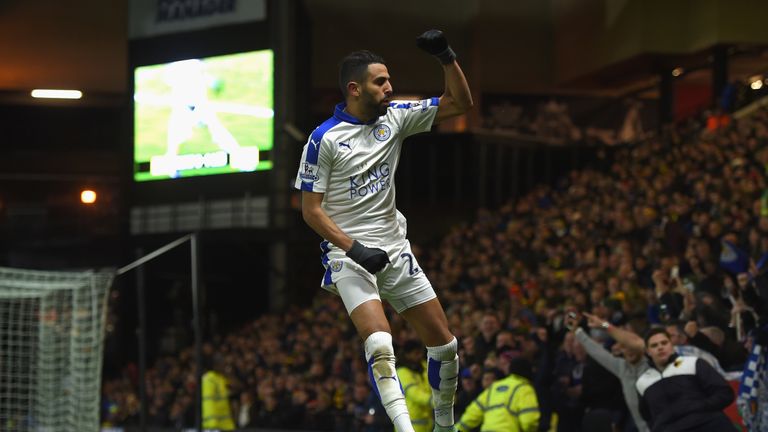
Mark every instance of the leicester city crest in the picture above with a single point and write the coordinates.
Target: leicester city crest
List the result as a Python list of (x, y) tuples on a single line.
[(336, 265), (382, 132)]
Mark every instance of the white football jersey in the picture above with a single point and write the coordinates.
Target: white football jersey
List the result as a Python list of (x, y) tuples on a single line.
[(354, 165)]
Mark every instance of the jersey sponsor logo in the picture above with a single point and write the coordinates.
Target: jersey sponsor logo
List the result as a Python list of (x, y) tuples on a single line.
[(308, 173), (336, 265), (345, 145), (372, 181), (382, 132), (314, 143)]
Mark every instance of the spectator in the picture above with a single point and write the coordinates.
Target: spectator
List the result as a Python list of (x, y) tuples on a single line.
[(490, 375), (508, 404), (217, 413), (628, 369), (485, 342), (752, 400), (469, 389), (681, 393), (271, 414), (681, 345), (601, 398), (365, 412), (567, 388), (413, 377), (247, 410)]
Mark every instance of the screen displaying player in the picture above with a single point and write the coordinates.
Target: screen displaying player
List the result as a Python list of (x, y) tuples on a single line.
[(203, 116)]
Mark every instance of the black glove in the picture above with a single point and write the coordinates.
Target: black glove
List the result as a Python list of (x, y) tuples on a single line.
[(435, 43), (372, 259)]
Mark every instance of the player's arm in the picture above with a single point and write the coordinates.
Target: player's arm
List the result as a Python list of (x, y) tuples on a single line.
[(372, 259), (456, 98), (318, 220)]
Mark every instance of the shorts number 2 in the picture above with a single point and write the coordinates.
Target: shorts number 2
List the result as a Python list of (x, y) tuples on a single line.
[(411, 269)]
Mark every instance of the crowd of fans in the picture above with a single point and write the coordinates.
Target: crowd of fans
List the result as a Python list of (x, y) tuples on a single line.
[(553, 122), (671, 232)]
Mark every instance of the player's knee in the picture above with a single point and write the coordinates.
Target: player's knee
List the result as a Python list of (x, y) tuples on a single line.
[(380, 353), (381, 363)]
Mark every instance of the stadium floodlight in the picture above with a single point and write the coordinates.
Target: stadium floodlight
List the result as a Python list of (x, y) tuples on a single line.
[(56, 94)]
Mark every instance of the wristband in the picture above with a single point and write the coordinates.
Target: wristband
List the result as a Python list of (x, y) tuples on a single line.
[(446, 57)]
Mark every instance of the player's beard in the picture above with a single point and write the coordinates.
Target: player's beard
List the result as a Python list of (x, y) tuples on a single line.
[(379, 107), (382, 109)]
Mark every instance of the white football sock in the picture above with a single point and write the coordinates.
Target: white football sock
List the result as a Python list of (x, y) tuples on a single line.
[(443, 374)]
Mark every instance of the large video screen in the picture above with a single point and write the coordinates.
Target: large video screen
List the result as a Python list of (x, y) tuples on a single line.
[(204, 116)]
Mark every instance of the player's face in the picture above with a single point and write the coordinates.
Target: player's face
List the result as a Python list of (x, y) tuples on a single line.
[(377, 90), (660, 348)]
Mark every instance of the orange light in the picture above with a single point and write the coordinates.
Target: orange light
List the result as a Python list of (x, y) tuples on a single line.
[(88, 196)]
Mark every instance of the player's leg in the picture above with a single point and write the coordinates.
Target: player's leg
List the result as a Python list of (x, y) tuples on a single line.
[(409, 291), (361, 298), (429, 321)]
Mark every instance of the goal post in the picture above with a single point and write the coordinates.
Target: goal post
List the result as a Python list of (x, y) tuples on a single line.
[(51, 348)]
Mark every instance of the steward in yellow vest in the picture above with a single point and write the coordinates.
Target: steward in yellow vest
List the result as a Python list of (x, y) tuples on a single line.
[(216, 409), (508, 405), (418, 394)]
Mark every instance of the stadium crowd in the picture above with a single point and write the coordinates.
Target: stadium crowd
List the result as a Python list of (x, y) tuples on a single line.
[(671, 232)]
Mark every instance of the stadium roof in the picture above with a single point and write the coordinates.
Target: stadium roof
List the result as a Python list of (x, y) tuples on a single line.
[(541, 45)]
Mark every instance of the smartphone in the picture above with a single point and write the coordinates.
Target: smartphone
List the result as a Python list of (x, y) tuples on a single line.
[(664, 313), (674, 273)]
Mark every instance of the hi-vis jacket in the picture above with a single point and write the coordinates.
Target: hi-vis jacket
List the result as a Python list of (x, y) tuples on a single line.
[(508, 405), (418, 397), (216, 412)]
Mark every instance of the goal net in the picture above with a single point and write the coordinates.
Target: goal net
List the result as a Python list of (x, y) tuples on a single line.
[(51, 340)]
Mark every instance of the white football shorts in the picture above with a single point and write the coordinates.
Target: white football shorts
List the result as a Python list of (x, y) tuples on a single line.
[(402, 283)]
